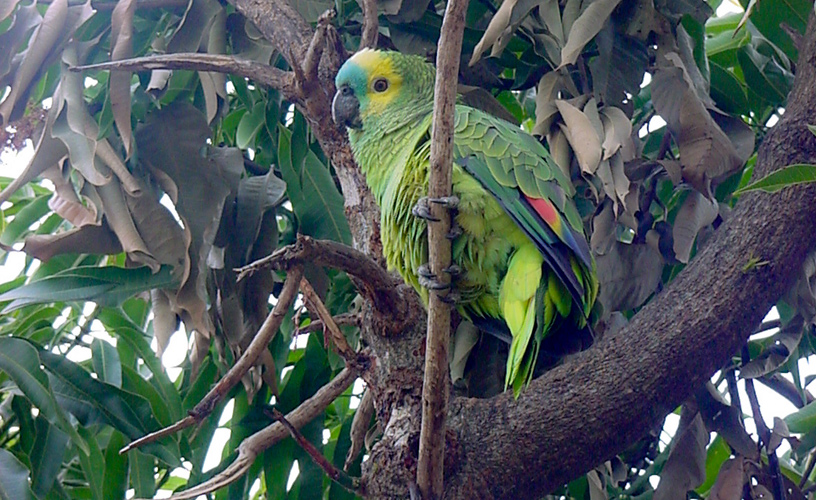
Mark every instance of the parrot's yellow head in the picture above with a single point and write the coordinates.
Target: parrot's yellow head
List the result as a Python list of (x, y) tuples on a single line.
[(374, 84)]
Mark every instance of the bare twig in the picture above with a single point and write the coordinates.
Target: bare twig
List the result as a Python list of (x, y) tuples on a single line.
[(374, 282), (435, 389), (313, 302), (315, 51), (764, 432), (371, 25), (262, 74), (251, 447), (105, 5), (245, 362), (345, 319), (768, 325), (338, 476), (359, 427)]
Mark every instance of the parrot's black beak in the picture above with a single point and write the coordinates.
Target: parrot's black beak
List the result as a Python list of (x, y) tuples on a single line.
[(346, 108)]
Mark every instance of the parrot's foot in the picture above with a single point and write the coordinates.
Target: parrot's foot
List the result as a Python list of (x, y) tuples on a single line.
[(431, 281), (455, 230), (423, 207)]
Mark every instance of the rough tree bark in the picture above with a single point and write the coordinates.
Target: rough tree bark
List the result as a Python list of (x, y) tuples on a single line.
[(594, 405)]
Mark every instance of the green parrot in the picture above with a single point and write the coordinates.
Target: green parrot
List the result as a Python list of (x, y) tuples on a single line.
[(521, 258)]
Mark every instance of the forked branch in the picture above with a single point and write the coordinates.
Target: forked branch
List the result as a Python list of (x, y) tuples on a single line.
[(247, 360), (254, 445)]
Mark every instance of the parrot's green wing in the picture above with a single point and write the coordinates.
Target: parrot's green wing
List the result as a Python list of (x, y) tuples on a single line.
[(518, 171)]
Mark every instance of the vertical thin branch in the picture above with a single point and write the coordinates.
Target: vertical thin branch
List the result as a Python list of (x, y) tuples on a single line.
[(430, 466), (763, 432), (370, 25)]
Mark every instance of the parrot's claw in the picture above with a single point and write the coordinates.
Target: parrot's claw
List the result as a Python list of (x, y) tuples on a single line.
[(451, 298), (454, 271), (449, 202), (422, 209), (455, 230), (429, 280)]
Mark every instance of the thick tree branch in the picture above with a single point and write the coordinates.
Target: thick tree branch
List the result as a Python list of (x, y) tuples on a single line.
[(436, 385), (600, 401), (262, 74)]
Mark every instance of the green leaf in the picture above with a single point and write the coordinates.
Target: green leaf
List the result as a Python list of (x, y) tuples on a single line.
[(764, 75), (249, 126), (769, 17), (315, 199), (788, 176), (115, 479), (141, 474), (14, 480), (125, 411), (46, 456), (21, 361), (106, 362), (31, 213), (130, 334), (109, 285), (92, 463), (803, 421)]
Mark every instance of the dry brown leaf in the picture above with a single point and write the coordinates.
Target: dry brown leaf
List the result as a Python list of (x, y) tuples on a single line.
[(46, 35), (560, 150), (584, 29), (696, 213), (603, 229), (705, 151), (685, 467), (499, 26), (119, 218), (617, 131), (545, 111), (119, 81), (49, 152), (164, 319), (90, 239), (582, 136), (729, 481), (629, 274), (551, 15)]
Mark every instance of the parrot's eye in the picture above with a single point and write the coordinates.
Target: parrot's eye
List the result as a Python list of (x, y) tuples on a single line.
[(380, 85)]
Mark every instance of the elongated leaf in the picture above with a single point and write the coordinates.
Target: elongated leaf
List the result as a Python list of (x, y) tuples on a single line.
[(92, 463), (115, 479), (104, 285), (584, 29), (685, 468), (315, 198), (21, 362), (129, 333), (106, 362), (789, 176), (125, 411), (14, 478), (122, 39), (46, 456)]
